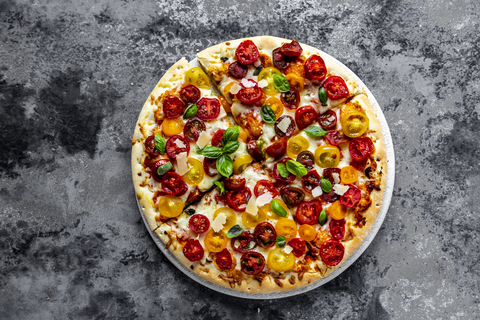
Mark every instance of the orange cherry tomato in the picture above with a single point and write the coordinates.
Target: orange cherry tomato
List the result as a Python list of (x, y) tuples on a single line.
[(171, 127), (215, 241), (348, 175), (170, 206), (307, 232), (296, 82), (337, 211)]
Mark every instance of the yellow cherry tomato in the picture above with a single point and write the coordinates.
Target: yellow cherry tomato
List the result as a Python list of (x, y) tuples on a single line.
[(287, 228), (348, 175), (269, 212), (231, 217), (296, 82), (327, 156), (170, 206), (172, 127), (278, 260), (354, 120), (267, 74), (243, 135), (215, 241), (195, 175), (276, 105), (251, 221), (241, 163), (307, 232), (197, 77), (296, 145), (337, 211)]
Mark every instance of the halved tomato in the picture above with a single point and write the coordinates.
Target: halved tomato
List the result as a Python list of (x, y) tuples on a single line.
[(265, 235), (237, 200), (350, 198), (199, 223), (173, 184), (280, 261), (235, 182), (208, 109), (298, 246), (286, 227), (252, 262), (337, 229), (290, 99), (193, 128), (215, 241), (251, 94), (310, 181), (224, 259), (332, 252), (292, 196), (247, 52), (190, 94), (336, 88), (328, 120), (315, 68), (170, 206), (304, 116), (175, 145), (278, 148), (237, 70), (193, 250), (290, 129), (263, 186), (280, 60), (361, 148), (243, 242), (308, 211), (292, 49)]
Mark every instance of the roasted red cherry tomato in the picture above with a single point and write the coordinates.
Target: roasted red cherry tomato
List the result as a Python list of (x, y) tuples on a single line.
[(337, 229), (251, 94), (292, 49), (254, 151), (208, 109), (336, 138), (237, 200), (263, 186), (235, 183), (224, 259), (243, 242), (308, 211), (328, 120), (292, 196), (332, 252), (328, 174), (307, 159), (192, 129), (290, 99), (190, 94), (154, 166), (265, 234), (175, 145), (310, 181), (278, 148), (280, 60), (304, 116), (210, 167), (247, 52), (252, 262), (173, 107), (193, 250), (360, 148), (150, 146), (237, 70), (330, 197), (277, 175), (173, 184), (315, 68), (290, 129), (336, 88), (350, 198), (217, 138), (199, 223), (298, 246)]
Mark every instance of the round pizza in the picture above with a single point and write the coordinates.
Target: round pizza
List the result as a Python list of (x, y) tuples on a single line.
[(263, 170)]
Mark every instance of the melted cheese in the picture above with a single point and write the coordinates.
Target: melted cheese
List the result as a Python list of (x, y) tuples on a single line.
[(218, 222), (336, 177), (263, 83), (248, 83)]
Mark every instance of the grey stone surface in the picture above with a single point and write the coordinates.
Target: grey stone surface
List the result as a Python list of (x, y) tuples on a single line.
[(73, 77)]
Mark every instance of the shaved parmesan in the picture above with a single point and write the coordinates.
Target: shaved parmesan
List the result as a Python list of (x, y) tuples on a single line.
[(284, 124), (262, 83), (219, 221), (248, 83), (179, 143), (203, 139), (264, 199), (317, 192), (336, 177), (252, 206), (235, 88), (288, 249), (182, 163), (340, 189)]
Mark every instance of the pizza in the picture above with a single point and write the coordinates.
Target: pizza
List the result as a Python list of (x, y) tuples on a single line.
[(263, 170)]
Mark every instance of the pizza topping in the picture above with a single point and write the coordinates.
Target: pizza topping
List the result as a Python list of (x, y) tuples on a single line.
[(208, 109), (250, 92), (235, 183), (215, 241), (308, 211), (288, 249), (354, 120), (296, 82), (361, 148), (237, 70), (247, 52), (255, 150), (203, 138), (278, 148), (276, 174), (264, 187), (337, 229), (224, 259), (210, 167), (190, 94), (297, 145), (234, 88), (199, 223), (292, 196), (280, 60), (285, 126), (176, 145), (327, 156), (159, 164), (310, 181), (315, 68), (351, 197), (173, 184), (243, 242), (336, 138), (284, 123), (150, 146), (182, 164), (348, 175), (237, 200), (170, 206), (279, 261), (307, 232), (173, 107), (317, 191), (193, 250), (263, 83), (290, 99), (298, 246), (242, 162), (281, 83), (328, 120), (234, 231), (266, 75), (332, 252), (252, 263), (268, 115), (193, 129), (337, 211), (287, 228), (265, 234), (307, 159), (194, 172), (197, 77), (292, 49), (336, 88), (172, 127), (219, 221), (264, 198)]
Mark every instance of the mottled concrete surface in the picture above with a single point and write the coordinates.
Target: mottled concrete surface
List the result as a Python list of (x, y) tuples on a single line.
[(73, 77)]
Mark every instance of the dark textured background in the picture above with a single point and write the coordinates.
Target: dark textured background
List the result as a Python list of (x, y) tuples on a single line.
[(73, 78)]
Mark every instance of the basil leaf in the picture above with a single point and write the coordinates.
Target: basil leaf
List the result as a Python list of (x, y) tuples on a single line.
[(234, 231), (212, 152), (160, 143), (326, 185), (190, 112), (316, 131), (231, 147), (280, 241), (257, 70), (220, 186), (198, 150), (268, 115), (322, 218), (164, 168), (282, 170), (231, 134), (280, 82), (322, 95), (278, 209), (225, 165), (296, 168)]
